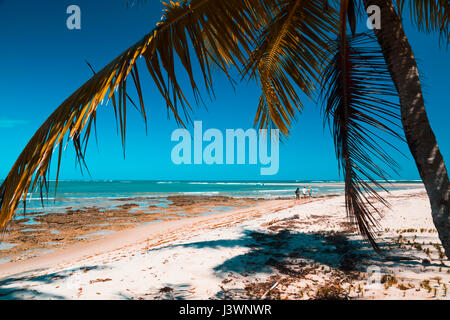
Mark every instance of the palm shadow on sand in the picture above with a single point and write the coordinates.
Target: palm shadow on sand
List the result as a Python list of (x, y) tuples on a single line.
[(20, 286), (288, 252), (284, 251), (295, 254)]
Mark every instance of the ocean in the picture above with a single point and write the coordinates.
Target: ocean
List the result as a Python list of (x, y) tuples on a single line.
[(109, 194)]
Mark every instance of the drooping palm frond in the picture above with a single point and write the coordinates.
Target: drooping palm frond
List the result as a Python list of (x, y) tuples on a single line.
[(358, 106), (288, 57), (428, 15), (230, 26)]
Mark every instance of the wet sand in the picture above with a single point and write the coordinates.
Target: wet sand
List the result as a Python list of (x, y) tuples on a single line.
[(38, 234)]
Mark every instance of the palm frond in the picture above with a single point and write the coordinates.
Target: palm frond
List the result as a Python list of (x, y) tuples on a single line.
[(230, 27), (288, 57), (358, 106), (428, 15)]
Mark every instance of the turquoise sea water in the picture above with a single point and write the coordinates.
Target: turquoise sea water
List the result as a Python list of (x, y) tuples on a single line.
[(109, 194)]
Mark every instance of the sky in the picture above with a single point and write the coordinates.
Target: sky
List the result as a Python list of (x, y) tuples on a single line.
[(43, 62)]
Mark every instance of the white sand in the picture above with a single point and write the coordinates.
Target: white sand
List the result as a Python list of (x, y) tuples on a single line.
[(242, 254)]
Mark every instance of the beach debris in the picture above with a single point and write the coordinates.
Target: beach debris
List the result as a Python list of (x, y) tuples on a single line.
[(331, 291), (270, 289), (166, 290), (100, 280)]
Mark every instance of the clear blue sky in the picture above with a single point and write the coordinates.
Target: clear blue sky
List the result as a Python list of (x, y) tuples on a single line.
[(42, 63)]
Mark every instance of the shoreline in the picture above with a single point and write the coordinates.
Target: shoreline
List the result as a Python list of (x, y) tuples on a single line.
[(36, 234), (135, 235), (50, 229)]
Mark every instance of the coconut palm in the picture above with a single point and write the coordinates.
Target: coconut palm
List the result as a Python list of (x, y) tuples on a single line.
[(292, 48), (428, 15)]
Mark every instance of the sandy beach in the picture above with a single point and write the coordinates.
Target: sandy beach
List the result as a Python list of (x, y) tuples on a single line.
[(30, 235), (277, 249)]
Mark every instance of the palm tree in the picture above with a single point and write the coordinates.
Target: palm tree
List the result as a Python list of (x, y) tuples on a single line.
[(289, 46), (429, 15)]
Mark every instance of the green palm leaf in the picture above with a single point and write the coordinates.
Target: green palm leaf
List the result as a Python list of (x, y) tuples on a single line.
[(358, 107), (289, 57), (428, 15)]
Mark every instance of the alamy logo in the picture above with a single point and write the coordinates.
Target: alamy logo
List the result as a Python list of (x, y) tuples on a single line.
[(374, 19), (74, 20), (213, 153)]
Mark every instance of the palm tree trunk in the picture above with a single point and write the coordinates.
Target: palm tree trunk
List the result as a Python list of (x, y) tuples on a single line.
[(419, 135)]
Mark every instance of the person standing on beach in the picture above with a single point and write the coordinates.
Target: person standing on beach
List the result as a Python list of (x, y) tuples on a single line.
[(304, 192), (310, 191), (297, 194)]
